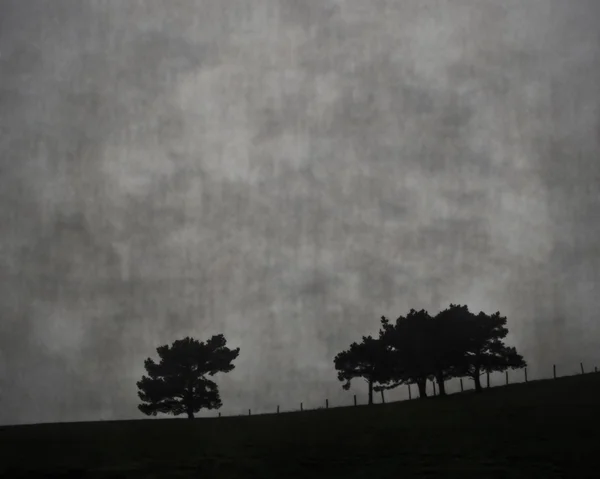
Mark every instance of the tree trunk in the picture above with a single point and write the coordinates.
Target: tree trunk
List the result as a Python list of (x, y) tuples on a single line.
[(422, 385), (477, 379), (188, 400), (441, 384), (370, 392)]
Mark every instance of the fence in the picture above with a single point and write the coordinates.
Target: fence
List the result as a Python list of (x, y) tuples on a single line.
[(514, 374)]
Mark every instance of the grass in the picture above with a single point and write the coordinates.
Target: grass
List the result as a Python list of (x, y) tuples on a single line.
[(542, 429)]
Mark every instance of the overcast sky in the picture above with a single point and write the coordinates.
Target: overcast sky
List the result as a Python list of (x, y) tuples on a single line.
[(285, 172)]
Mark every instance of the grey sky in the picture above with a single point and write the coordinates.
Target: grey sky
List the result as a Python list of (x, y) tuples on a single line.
[(285, 172)]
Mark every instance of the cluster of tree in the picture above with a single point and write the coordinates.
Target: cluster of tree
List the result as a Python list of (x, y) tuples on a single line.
[(414, 349), (419, 347)]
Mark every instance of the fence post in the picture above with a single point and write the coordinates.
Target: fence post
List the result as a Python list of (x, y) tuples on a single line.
[(277, 409), (554, 370), (355, 399), (525, 374), (301, 407), (409, 393), (488, 379), (506, 372), (382, 397), (581, 364), (326, 403), (249, 412), (462, 389)]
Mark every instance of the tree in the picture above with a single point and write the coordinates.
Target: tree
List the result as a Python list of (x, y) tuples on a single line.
[(485, 350), (367, 360), (410, 345), (178, 383), (448, 343)]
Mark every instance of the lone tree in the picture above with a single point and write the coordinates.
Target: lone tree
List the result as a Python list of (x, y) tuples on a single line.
[(485, 350), (178, 383), (367, 360)]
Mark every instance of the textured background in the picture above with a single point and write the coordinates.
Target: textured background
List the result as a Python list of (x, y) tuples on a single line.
[(285, 172)]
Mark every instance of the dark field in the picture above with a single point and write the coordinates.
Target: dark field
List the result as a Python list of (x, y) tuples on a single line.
[(542, 429)]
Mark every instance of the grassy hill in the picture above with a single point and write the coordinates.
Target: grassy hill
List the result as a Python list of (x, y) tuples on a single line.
[(543, 429)]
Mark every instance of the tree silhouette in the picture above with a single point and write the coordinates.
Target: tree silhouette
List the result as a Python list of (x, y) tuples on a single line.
[(367, 360), (485, 350), (418, 347), (448, 343), (178, 383), (410, 345)]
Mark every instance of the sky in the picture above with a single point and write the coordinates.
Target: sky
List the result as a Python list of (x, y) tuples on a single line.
[(285, 172)]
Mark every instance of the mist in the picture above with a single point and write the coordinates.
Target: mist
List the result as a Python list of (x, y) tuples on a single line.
[(284, 173)]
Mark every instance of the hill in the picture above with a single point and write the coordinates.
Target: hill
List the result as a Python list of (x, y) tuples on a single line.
[(542, 429)]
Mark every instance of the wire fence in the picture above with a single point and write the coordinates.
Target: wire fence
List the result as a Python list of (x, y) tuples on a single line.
[(464, 384)]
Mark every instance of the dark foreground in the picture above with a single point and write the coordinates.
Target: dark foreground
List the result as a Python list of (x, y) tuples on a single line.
[(542, 429)]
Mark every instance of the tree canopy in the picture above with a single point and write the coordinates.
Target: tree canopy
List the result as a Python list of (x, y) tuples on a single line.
[(178, 383), (449, 337), (418, 347), (409, 340), (484, 349), (367, 360)]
